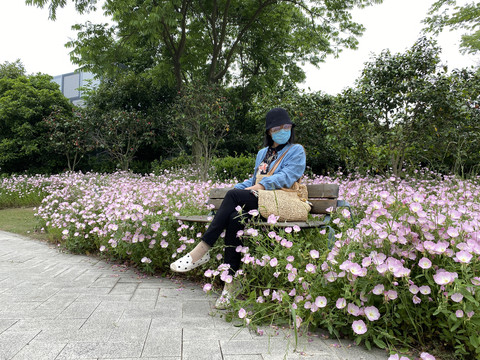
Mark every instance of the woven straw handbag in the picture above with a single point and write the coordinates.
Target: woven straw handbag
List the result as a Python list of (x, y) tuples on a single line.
[(287, 204)]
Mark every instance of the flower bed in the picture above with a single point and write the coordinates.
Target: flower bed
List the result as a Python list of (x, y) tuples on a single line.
[(406, 276)]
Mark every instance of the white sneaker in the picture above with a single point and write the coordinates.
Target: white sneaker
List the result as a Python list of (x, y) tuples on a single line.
[(186, 263)]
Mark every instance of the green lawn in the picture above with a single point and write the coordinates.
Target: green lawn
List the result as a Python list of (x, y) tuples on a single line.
[(21, 221)]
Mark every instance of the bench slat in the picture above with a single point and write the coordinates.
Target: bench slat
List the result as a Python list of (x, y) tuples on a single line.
[(196, 218), (319, 206), (323, 191), (314, 191), (207, 219)]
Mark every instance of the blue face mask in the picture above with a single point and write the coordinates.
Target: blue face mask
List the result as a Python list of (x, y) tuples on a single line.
[(281, 137)]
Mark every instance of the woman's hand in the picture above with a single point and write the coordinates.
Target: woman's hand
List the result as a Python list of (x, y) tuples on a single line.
[(256, 187)]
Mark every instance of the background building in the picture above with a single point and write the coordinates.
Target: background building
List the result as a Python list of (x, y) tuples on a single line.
[(71, 84)]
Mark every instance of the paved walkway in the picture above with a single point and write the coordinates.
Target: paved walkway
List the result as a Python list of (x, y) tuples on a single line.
[(55, 305)]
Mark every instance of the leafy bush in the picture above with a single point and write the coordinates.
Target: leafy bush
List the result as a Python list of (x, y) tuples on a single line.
[(180, 162), (238, 167)]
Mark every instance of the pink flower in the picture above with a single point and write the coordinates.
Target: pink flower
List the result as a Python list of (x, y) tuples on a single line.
[(476, 281), (415, 207), (426, 356), (288, 230), (290, 258), (321, 301), (331, 276), (457, 297), (391, 294), (296, 228), (146, 260), (298, 321), (378, 289), (416, 299), (424, 263), (372, 313), (242, 313), (464, 256), (207, 287), (341, 303), (397, 357), (452, 232), (253, 212), (459, 313), (366, 262), (272, 219), (425, 289), (444, 277), (310, 268), (353, 309), (272, 234), (273, 262), (413, 289), (314, 254), (359, 327)]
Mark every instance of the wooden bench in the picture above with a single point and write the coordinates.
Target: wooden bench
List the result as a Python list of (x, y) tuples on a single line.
[(321, 196)]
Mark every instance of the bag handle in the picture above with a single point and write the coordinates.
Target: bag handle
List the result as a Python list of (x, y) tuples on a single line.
[(272, 170)]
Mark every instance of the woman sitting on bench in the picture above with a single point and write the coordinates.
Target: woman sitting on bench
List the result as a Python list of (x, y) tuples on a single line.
[(279, 142)]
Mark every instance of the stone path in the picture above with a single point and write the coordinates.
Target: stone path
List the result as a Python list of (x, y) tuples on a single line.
[(55, 305)]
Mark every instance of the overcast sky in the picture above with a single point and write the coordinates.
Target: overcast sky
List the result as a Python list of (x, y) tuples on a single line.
[(28, 35)]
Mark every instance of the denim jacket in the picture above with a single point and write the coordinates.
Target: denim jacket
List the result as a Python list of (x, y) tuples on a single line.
[(289, 170)]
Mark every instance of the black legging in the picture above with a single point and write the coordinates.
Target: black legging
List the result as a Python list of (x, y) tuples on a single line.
[(227, 218)]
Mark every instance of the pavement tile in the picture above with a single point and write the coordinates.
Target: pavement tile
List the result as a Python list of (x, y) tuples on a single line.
[(55, 305), (12, 342), (131, 330), (85, 350), (252, 347), (71, 335), (170, 314), (79, 310), (231, 333), (145, 294), (201, 350), (105, 282), (161, 342), (6, 324), (39, 350), (35, 324), (124, 288)]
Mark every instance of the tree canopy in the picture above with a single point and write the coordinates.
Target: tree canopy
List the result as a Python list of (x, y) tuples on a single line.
[(447, 14), (24, 101), (218, 41)]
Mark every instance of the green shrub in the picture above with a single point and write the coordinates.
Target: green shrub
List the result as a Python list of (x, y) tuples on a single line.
[(238, 167), (180, 162)]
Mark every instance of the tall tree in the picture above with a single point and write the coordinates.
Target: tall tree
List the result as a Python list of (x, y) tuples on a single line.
[(447, 14), (24, 101), (218, 41)]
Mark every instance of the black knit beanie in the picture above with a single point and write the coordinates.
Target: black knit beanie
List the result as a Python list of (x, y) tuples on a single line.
[(277, 117)]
